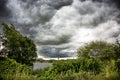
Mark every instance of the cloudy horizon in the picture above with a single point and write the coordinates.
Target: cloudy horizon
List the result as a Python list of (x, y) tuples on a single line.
[(60, 27)]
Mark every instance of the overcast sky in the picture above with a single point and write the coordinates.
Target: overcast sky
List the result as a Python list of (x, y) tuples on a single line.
[(62, 26)]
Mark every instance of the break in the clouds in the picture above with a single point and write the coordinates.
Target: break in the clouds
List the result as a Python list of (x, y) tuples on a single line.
[(59, 27)]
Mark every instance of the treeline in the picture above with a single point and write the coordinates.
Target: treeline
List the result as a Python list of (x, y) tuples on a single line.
[(97, 60)]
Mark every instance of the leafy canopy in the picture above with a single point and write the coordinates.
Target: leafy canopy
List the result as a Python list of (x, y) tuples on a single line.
[(97, 49), (19, 47)]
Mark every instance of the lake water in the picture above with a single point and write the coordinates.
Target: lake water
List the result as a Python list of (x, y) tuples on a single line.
[(38, 65)]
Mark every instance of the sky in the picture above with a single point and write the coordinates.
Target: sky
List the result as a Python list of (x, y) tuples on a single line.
[(60, 27)]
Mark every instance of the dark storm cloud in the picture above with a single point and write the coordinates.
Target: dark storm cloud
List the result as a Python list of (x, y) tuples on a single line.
[(60, 3), (2, 5), (3, 10), (117, 2), (53, 3), (60, 26), (53, 52), (61, 40)]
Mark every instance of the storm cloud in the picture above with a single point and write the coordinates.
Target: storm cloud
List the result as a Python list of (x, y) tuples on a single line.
[(62, 26)]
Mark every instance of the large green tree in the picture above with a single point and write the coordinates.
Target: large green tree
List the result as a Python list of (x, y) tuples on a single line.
[(97, 49), (19, 47)]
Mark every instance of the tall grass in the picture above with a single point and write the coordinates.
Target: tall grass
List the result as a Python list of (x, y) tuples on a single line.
[(11, 70)]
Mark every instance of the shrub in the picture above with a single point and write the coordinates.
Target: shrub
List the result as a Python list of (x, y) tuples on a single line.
[(97, 49), (11, 70), (75, 66), (117, 64), (116, 48)]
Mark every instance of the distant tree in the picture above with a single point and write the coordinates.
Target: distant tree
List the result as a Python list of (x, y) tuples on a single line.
[(97, 49), (19, 47)]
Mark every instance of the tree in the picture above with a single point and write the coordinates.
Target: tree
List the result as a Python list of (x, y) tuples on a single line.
[(19, 47), (97, 49)]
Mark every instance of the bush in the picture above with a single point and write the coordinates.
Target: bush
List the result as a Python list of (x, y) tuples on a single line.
[(75, 66), (110, 70), (11, 70), (97, 49), (116, 48), (117, 64)]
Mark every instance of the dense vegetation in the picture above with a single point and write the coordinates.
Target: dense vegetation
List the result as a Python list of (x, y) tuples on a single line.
[(11, 70), (17, 46), (97, 60), (80, 69), (97, 49)]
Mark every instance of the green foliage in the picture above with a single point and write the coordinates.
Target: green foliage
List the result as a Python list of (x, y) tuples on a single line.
[(70, 67), (111, 70), (20, 48), (81, 69), (116, 48), (97, 49), (11, 70), (117, 64), (83, 64)]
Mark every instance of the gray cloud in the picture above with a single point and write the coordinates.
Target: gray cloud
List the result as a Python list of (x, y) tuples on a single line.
[(62, 26)]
